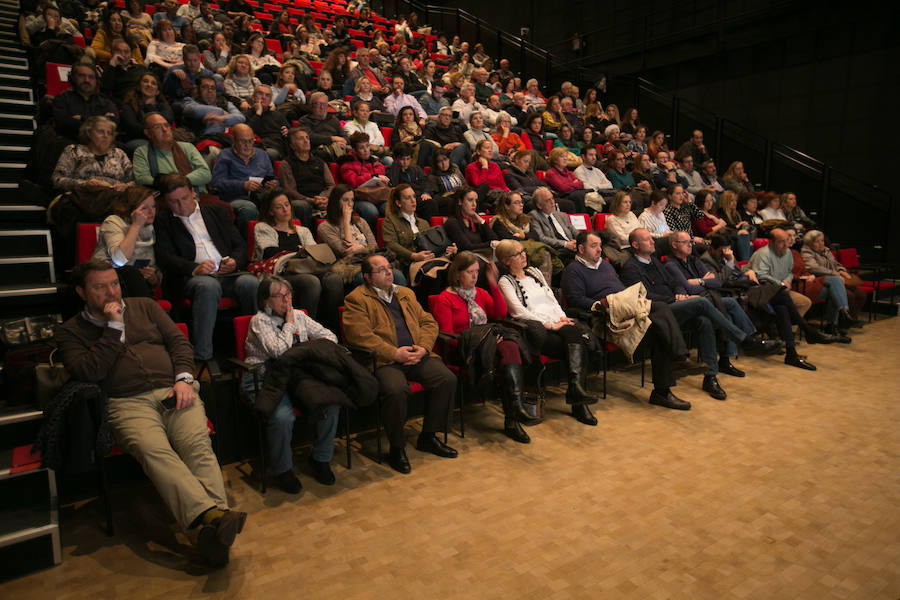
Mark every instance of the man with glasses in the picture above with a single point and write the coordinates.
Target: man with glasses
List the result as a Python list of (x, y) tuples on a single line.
[(181, 80), (240, 172), (164, 155), (325, 133), (209, 113), (692, 274), (691, 311), (387, 319), (269, 124)]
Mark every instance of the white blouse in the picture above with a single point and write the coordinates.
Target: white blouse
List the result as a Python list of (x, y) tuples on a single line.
[(621, 227), (655, 224), (540, 303)]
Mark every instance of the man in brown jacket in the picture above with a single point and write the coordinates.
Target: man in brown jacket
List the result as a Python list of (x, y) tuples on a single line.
[(144, 363), (387, 319)]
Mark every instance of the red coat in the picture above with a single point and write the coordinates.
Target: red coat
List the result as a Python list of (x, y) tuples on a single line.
[(493, 176), (562, 180), (355, 172), (452, 314)]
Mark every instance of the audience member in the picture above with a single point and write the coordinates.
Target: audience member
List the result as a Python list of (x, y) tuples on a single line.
[(153, 406), (72, 107), (386, 318), (201, 254), (164, 155), (95, 162)]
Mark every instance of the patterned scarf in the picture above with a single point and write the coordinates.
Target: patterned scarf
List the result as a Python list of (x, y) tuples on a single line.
[(477, 316)]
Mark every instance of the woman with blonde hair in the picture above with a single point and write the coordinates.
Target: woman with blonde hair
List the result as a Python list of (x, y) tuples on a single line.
[(738, 229), (736, 179), (531, 300), (240, 83)]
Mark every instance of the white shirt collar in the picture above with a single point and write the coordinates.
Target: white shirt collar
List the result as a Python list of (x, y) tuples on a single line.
[(646, 261), (594, 266), (386, 296)]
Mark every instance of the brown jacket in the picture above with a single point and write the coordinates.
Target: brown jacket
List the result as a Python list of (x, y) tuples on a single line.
[(154, 351), (368, 322), (810, 289)]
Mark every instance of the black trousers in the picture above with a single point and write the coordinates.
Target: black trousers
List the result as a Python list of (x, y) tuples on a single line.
[(393, 385), (786, 314), (665, 343), (556, 344), (133, 283)]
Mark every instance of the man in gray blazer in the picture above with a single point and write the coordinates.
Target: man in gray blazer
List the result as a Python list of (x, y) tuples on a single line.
[(553, 226)]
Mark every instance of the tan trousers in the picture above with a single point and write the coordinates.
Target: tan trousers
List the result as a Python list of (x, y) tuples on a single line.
[(174, 449), (802, 303)]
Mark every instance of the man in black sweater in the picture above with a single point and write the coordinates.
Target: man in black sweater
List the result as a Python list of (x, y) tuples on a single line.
[(692, 311), (589, 279)]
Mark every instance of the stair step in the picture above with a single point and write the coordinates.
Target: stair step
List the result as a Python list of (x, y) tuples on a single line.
[(18, 245), (16, 137), (19, 107), (13, 92), (14, 291), (7, 79), (23, 215), (10, 120), (28, 270)]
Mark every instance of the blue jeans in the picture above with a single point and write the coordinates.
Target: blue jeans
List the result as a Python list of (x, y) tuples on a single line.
[(743, 247), (702, 314), (369, 212), (244, 212), (280, 431), (835, 295), (738, 317), (204, 292)]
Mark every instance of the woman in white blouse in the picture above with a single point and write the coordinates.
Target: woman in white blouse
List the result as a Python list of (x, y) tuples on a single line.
[(274, 330), (529, 298), (164, 52), (622, 221), (654, 221), (126, 240)]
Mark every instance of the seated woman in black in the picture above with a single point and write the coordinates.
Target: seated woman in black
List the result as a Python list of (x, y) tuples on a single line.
[(277, 232), (511, 223), (465, 227)]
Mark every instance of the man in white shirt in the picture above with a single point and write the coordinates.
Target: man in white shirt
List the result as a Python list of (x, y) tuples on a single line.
[(492, 112), (201, 253), (466, 104), (592, 177)]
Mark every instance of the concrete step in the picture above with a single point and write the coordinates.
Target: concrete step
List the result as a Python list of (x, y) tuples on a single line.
[(17, 120), (22, 215), (35, 242)]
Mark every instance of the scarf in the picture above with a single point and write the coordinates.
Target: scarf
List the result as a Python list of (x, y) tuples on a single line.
[(512, 227), (477, 316)]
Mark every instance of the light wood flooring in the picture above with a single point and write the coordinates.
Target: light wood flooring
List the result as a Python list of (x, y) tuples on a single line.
[(789, 489)]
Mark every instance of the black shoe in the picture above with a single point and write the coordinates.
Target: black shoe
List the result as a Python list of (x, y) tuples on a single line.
[(288, 482), (214, 539), (583, 414), (727, 368), (800, 363), (839, 336), (428, 442), (398, 461), (754, 346), (669, 400), (321, 471), (846, 321), (682, 368), (711, 386), (213, 552), (513, 430), (814, 336)]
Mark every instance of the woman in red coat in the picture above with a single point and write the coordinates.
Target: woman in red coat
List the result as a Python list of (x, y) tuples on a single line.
[(563, 181), (462, 305)]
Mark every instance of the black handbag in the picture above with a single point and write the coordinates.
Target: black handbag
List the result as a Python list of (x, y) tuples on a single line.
[(433, 239)]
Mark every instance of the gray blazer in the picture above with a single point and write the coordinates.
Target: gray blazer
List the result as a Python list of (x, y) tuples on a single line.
[(545, 230)]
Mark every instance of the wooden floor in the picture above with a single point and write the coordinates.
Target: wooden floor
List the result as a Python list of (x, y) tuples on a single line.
[(789, 489)]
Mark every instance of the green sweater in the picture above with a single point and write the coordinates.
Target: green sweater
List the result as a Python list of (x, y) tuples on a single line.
[(199, 175), (770, 267)]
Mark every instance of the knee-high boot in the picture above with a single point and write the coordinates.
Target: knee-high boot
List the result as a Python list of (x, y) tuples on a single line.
[(575, 393)]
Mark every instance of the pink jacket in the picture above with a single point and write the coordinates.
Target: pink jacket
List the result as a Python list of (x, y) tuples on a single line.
[(562, 180)]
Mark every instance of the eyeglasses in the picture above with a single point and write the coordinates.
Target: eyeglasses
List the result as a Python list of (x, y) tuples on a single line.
[(282, 296), (381, 271)]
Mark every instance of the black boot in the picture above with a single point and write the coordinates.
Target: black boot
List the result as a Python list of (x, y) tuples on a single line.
[(839, 336), (513, 384), (845, 321), (575, 393)]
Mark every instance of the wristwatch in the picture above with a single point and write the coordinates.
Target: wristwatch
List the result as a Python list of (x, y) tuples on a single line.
[(188, 379)]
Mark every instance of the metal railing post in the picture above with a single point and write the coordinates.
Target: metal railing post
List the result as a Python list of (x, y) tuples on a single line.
[(823, 197), (718, 137), (767, 168)]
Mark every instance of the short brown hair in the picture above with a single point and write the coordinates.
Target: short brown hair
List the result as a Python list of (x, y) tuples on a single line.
[(463, 261), (81, 271), (129, 200)]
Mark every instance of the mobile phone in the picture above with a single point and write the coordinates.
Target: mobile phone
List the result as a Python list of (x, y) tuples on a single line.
[(142, 262), (169, 403)]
